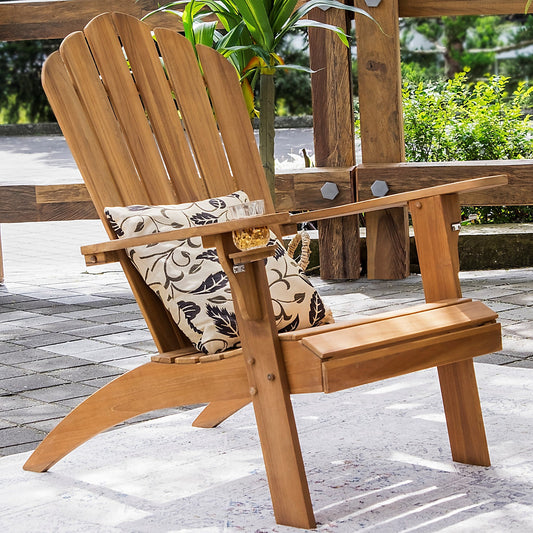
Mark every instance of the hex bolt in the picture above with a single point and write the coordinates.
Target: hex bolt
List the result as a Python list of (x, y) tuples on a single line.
[(379, 188), (329, 190), (271, 377)]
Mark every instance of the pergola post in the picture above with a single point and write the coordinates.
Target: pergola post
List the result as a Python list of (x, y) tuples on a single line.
[(333, 124), (382, 139)]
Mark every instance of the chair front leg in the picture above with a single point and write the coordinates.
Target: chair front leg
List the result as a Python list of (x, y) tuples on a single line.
[(269, 389), (437, 245)]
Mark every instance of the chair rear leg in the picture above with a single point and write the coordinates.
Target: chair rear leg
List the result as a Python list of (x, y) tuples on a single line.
[(147, 388), (463, 413), (216, 412)]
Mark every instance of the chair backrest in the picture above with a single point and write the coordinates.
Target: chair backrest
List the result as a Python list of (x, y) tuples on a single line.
[(147, 125)]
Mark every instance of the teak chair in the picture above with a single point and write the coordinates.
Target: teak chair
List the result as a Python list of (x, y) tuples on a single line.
[(121, 120)]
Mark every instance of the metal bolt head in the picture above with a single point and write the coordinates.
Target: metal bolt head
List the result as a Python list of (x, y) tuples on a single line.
[(372, 3), (329, 190), (379, 188)]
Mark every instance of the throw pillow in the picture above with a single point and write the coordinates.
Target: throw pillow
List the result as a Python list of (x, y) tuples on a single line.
[(193, 286)]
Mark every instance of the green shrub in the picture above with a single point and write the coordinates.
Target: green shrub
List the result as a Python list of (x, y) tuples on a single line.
[(456, 120)]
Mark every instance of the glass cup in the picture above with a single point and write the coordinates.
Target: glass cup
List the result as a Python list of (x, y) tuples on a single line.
[(249, 238)]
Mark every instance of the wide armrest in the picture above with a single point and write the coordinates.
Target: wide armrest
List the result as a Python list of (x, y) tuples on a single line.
[(96, 253), (107, 251), (401, 199)]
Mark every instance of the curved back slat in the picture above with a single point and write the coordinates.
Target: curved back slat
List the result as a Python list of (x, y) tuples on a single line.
[(188, 84), (84, 142), (116, 75), (86, 82), (235, 125), (160, 106)]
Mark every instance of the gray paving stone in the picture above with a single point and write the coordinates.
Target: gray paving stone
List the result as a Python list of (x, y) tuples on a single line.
[(71, 403), (9, 316), (126, 337), (36, 413), (30, 382), (44, 339), (520, 313), (81, 299), (5, 424), (114, 318), (52, 363), (86, 373), (8, 371), (89, 314), (110, 354), (40, 321), (520, 329), (6, 347), (132, 362), (44, 425), (25, 354), (31, 305), (16, 436), (62, 324), (518, 346), (61, 393), (20, 448), (75, 346), (522, 298), (525, 363), (98, 330), (10, 400), (62, 309), (16, 333), (144, 346), (7, 298), (496, 359)]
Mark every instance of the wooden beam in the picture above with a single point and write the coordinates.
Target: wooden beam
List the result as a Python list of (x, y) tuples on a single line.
[(34, 203), (382, 141), (439, 8), (300, 190), (403, 177), (334, 138), (56, 19)]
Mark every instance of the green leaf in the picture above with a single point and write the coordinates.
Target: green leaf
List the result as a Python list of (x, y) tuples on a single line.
[(315, 24), (280, 14), (204, 32), (255, 17), (191, 9), (308, 6), (299, 68), (257, 51)]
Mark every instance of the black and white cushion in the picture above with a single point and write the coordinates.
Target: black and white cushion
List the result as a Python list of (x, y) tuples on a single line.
[(193, 286)]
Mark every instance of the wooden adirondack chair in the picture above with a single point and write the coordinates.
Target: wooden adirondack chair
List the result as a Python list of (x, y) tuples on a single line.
[(121, 121)]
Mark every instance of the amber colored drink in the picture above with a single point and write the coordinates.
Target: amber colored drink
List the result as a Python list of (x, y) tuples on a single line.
[(245, 239)]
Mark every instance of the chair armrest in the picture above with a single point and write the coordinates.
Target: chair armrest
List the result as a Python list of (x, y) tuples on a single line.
[(106, 252), (401, 199)]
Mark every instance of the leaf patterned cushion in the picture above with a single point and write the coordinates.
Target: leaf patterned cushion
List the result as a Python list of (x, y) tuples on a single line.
[(193, 286)]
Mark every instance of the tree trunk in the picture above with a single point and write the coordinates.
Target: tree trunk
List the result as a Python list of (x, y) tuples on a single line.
[(267, 111)]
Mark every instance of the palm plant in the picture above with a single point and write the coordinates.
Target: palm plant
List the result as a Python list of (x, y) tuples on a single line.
[(253, 30)]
